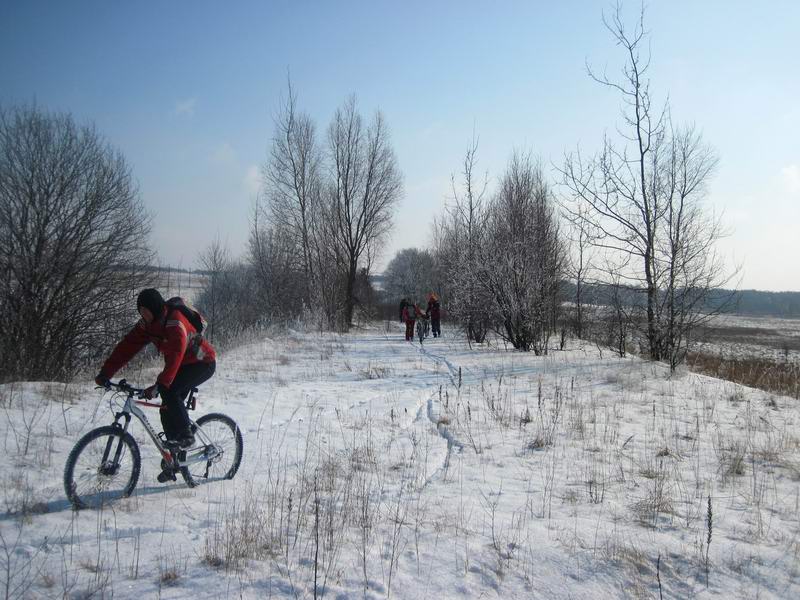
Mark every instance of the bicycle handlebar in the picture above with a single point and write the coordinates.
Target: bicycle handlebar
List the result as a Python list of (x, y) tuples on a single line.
[(124, 386)]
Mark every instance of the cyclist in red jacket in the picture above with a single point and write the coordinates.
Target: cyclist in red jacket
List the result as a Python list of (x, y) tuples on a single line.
[(189, 360)]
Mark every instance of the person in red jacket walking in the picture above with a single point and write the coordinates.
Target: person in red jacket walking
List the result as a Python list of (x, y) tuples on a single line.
[(189, 360)]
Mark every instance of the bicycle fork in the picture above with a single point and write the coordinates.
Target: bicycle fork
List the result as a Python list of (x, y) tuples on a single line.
[(110, 468)]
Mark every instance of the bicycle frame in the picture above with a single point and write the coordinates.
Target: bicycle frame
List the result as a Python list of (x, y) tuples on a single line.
[(422, 328), (204, 453)]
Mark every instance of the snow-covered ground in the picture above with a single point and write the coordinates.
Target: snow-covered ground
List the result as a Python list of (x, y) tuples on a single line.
[(379, 468)]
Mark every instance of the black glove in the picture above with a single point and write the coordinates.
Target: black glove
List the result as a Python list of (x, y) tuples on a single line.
[(101, 380), (151, 392)]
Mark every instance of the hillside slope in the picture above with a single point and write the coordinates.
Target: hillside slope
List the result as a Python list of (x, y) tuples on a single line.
[(379, 468)]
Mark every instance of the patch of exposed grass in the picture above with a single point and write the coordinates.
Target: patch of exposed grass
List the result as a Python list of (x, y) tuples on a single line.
[(779, 377)]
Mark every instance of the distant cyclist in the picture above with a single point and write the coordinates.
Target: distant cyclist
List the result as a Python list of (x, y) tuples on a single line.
[(410, 313), (433, 311), (189, 360)]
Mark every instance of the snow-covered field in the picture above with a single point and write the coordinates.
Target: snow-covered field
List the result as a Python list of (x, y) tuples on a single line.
[(740, 336), (177, 283), (378, 468)]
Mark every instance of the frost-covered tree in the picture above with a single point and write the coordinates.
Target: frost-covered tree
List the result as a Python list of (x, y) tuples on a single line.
[(522, 258), (229, 298), (502, 260), (458, 238), (410, 274)]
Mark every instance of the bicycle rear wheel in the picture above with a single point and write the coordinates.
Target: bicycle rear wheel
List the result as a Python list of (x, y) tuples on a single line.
[(103, 466), (219, 439)]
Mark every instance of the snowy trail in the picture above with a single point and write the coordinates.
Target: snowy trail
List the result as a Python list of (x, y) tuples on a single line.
[(468, 504)]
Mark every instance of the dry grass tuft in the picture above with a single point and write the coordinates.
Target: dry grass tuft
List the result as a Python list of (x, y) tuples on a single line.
[(375, 372), (169, 577)]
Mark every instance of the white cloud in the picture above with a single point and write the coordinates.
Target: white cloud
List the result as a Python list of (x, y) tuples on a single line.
[(791, 178), (252, 180), (185, 107)]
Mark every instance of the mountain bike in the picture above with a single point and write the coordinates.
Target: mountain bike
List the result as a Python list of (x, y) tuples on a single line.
[(105, 463)]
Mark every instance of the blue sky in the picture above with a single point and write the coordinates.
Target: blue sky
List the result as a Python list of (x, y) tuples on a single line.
[(187, 91)]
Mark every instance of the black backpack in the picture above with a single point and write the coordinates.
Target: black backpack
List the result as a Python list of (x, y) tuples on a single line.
[(188, 311)]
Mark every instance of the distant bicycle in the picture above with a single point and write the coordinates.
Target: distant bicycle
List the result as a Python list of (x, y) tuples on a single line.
[(423, 327), (105, 463)]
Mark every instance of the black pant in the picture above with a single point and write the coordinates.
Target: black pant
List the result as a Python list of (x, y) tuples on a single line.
[(435, 327), (174, 416)]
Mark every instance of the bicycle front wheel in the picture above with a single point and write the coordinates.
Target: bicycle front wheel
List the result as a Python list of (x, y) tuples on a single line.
[(219, 447), (103, 466)]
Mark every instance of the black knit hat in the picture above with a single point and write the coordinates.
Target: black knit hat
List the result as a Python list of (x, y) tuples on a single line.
[(151, 299)]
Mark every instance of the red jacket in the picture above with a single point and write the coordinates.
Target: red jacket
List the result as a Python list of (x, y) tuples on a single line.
[(175, 338), (411, 312)]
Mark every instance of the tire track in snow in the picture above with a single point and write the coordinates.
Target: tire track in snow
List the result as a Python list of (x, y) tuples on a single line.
[(447, 435), (451, 369), (441, 427)]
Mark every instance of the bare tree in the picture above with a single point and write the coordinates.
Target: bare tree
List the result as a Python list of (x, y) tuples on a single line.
[(292, 180), (73, 243), (621, 312), (365, 186), (458, 239), (229, 300), (217, 264), (690, 269), (643, 196), (278, 280), (325, 211), (580, 267)]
